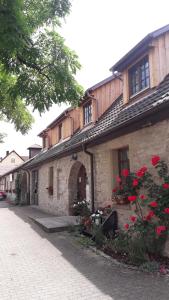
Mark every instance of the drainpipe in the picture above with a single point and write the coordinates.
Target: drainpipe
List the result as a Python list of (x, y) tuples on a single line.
[(29, 182), (92, 174)]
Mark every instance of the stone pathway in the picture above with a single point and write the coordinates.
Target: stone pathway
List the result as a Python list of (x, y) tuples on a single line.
[(52, 266)]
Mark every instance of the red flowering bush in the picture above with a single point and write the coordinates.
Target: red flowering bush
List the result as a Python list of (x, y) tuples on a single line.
[(149, 226), (155, 160)]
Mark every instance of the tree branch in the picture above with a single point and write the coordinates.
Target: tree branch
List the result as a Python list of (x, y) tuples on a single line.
[(32, 66)]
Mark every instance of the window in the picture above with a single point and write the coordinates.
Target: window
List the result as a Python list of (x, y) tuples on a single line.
[(123, 159), (50, 187), (12, 160), (45, 142), (139, 77), (59, 173), (87, 113), (60, 131)]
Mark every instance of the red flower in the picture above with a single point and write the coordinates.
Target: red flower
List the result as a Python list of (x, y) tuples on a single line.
[(166, 210), (133, 218), (135, 182), (142, 197), (141, 172), (166, 186), (132, 198), (159, 229), (126, 226), (153, 204), (150, 215), (155, 159), (125, 172), (114, 190), (118, 179)]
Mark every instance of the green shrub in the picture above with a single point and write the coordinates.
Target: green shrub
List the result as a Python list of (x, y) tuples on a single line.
[(150, 266)]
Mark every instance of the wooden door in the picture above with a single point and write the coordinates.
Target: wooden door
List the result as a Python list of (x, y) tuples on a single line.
[(81, 184)]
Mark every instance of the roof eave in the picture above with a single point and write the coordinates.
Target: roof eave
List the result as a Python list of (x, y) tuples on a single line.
[(120, 130), (132, 55)]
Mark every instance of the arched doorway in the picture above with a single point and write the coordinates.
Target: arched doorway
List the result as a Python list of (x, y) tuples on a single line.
[(77, 184)]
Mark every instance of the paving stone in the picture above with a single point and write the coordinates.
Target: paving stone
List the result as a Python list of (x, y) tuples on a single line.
[(35, 265)]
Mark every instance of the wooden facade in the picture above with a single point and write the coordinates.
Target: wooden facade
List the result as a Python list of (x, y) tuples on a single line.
[(158, 55), (102, 95)]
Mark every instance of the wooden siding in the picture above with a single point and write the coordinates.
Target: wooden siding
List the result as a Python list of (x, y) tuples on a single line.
[(158, 64), (103, 97), (106, 94), (69, 125)]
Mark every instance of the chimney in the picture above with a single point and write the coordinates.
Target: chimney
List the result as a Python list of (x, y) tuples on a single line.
[(7, 153), (34, 150)]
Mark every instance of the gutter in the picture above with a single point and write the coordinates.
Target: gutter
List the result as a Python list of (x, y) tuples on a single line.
[(121, 129), (92, 175)]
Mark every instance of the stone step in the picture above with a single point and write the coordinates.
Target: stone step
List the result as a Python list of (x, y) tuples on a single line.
[(56, 224)]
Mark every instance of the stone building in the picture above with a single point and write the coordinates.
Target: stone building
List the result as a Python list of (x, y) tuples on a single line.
[(10, 161), (16, 172), (120, 123)]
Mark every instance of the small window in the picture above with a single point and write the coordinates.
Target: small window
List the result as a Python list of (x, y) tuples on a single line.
[(50, 187), (87, 113), (123, 160), (60, 131), (139, 76), (12, 160), (45, 142)]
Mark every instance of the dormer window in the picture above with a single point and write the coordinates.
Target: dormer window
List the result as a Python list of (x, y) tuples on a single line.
[(139, 76), (87, 113), (45, 142), (60, 134)]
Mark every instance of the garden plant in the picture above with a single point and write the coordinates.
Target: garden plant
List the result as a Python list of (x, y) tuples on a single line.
[(143, 237)]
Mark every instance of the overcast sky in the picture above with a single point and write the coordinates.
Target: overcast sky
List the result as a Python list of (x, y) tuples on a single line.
[(101, 32)]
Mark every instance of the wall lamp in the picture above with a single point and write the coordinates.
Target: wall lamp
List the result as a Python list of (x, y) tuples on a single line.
[(74, 156)]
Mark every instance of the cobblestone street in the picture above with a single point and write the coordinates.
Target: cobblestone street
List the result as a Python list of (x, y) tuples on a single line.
[(51, 266)]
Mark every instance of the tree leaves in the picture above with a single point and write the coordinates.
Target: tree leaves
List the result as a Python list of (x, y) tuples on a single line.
[(36, 67)]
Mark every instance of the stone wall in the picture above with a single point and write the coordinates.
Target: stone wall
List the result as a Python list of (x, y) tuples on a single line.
[(142, 145), (59, 202)]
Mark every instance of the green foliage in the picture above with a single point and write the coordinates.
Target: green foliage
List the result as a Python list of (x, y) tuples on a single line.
[(98, 235), (13, 109), (150, 266), (133, 247), (85, 241), (36, 67), (81, 208), (120, 244), (146, 233)]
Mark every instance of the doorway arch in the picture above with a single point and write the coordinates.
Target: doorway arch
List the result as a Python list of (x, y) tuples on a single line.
[(77, 184)]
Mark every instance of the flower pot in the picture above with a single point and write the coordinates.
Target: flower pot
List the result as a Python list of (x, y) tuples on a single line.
[(121, 199)]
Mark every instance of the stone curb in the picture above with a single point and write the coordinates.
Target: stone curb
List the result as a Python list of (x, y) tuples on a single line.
[(113, 260)]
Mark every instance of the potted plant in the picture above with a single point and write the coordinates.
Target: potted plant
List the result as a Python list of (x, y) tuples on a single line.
[(81, 208)]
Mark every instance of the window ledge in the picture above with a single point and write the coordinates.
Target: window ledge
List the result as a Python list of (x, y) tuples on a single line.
[(139, 93), (87, 126)]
